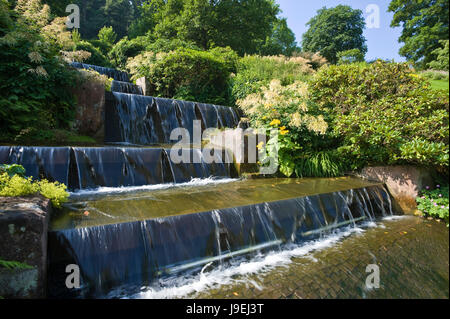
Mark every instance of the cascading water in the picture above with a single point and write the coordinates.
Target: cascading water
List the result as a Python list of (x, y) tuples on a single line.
[(88, 168), (111, 73), (139, 253), (135, 238), (126, 87), (146, 120)]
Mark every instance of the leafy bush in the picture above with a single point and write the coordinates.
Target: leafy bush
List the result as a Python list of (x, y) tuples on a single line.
[(125, 49), (16, 185), (12, 169), (434, 203), (254, 72), (435, 75), (384, 113), (35, 82), (302, 128), (96, 58), (442, 57), (186, 74)]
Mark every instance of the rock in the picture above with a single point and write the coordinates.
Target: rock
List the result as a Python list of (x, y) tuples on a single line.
[(24, 225), (403, 182), (89, 119)]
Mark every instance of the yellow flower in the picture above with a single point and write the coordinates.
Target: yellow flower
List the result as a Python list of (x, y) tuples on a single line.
[(275, 122), (284, 132), (264, 117), (260, 145), (282, 128)]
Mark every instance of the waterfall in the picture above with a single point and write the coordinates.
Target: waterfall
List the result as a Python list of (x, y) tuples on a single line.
[(138, 253), (92, 167), (126, 87), (145, 120), (111, 73)]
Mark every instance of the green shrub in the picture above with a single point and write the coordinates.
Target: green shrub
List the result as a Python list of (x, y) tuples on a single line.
[(319, 164), (35, 83), (442, 58), (434, 203), (125, 49), (302, 129), (12, 169), (435, 75), (96, 58), (254, 72), (186, 74), (384, 114), (16, 185)]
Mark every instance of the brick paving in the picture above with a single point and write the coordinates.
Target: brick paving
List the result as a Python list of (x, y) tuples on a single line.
[(412, 254)]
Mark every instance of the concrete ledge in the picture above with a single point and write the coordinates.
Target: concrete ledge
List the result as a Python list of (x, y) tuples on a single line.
[(403, 182), (23, 228)]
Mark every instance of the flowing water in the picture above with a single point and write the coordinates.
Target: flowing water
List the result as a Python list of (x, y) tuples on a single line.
[(139, 238), (140, 225)]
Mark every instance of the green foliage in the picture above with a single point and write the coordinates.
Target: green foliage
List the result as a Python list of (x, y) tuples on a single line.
[(319, 164), (119, 15), (434, 202), (350, 56), (442, 57), (186, 74), (299, 125), (12, 169), (35, 82), (424, 24), (209, 24), (12, 186), (281, 41), (434, 75), (335, 30), (125, 49), (14, 265), (96, 58), (384, 114), (254, 72), (107, 36)]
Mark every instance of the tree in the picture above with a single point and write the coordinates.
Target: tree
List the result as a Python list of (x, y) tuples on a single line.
[(107, 36), (118, 14), (441, 62), (334, 30), (281, 41), (424, 24), (243, 25), (350, 56)]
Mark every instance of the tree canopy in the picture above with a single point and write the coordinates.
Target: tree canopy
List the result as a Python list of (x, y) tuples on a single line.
[(334, 30), (424, 24)]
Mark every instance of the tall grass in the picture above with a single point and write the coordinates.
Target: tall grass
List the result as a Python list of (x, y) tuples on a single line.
[(319, 164)]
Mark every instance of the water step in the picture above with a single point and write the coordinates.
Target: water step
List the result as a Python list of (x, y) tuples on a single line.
[(146, 120), (134, 239), (92, 167), (111, 73), (126, 87)]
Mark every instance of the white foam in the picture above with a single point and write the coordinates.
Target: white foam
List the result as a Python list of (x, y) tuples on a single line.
[(394, 217), (131, 189), (237, 271)]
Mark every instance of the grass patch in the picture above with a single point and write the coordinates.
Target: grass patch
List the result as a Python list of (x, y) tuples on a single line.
[(439, 85)]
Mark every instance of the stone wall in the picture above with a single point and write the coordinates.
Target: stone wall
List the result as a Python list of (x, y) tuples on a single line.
[(89, 119), (403, 182), (23, 229)]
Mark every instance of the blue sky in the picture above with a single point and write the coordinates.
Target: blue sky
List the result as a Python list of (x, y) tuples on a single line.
[(382, 42)]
